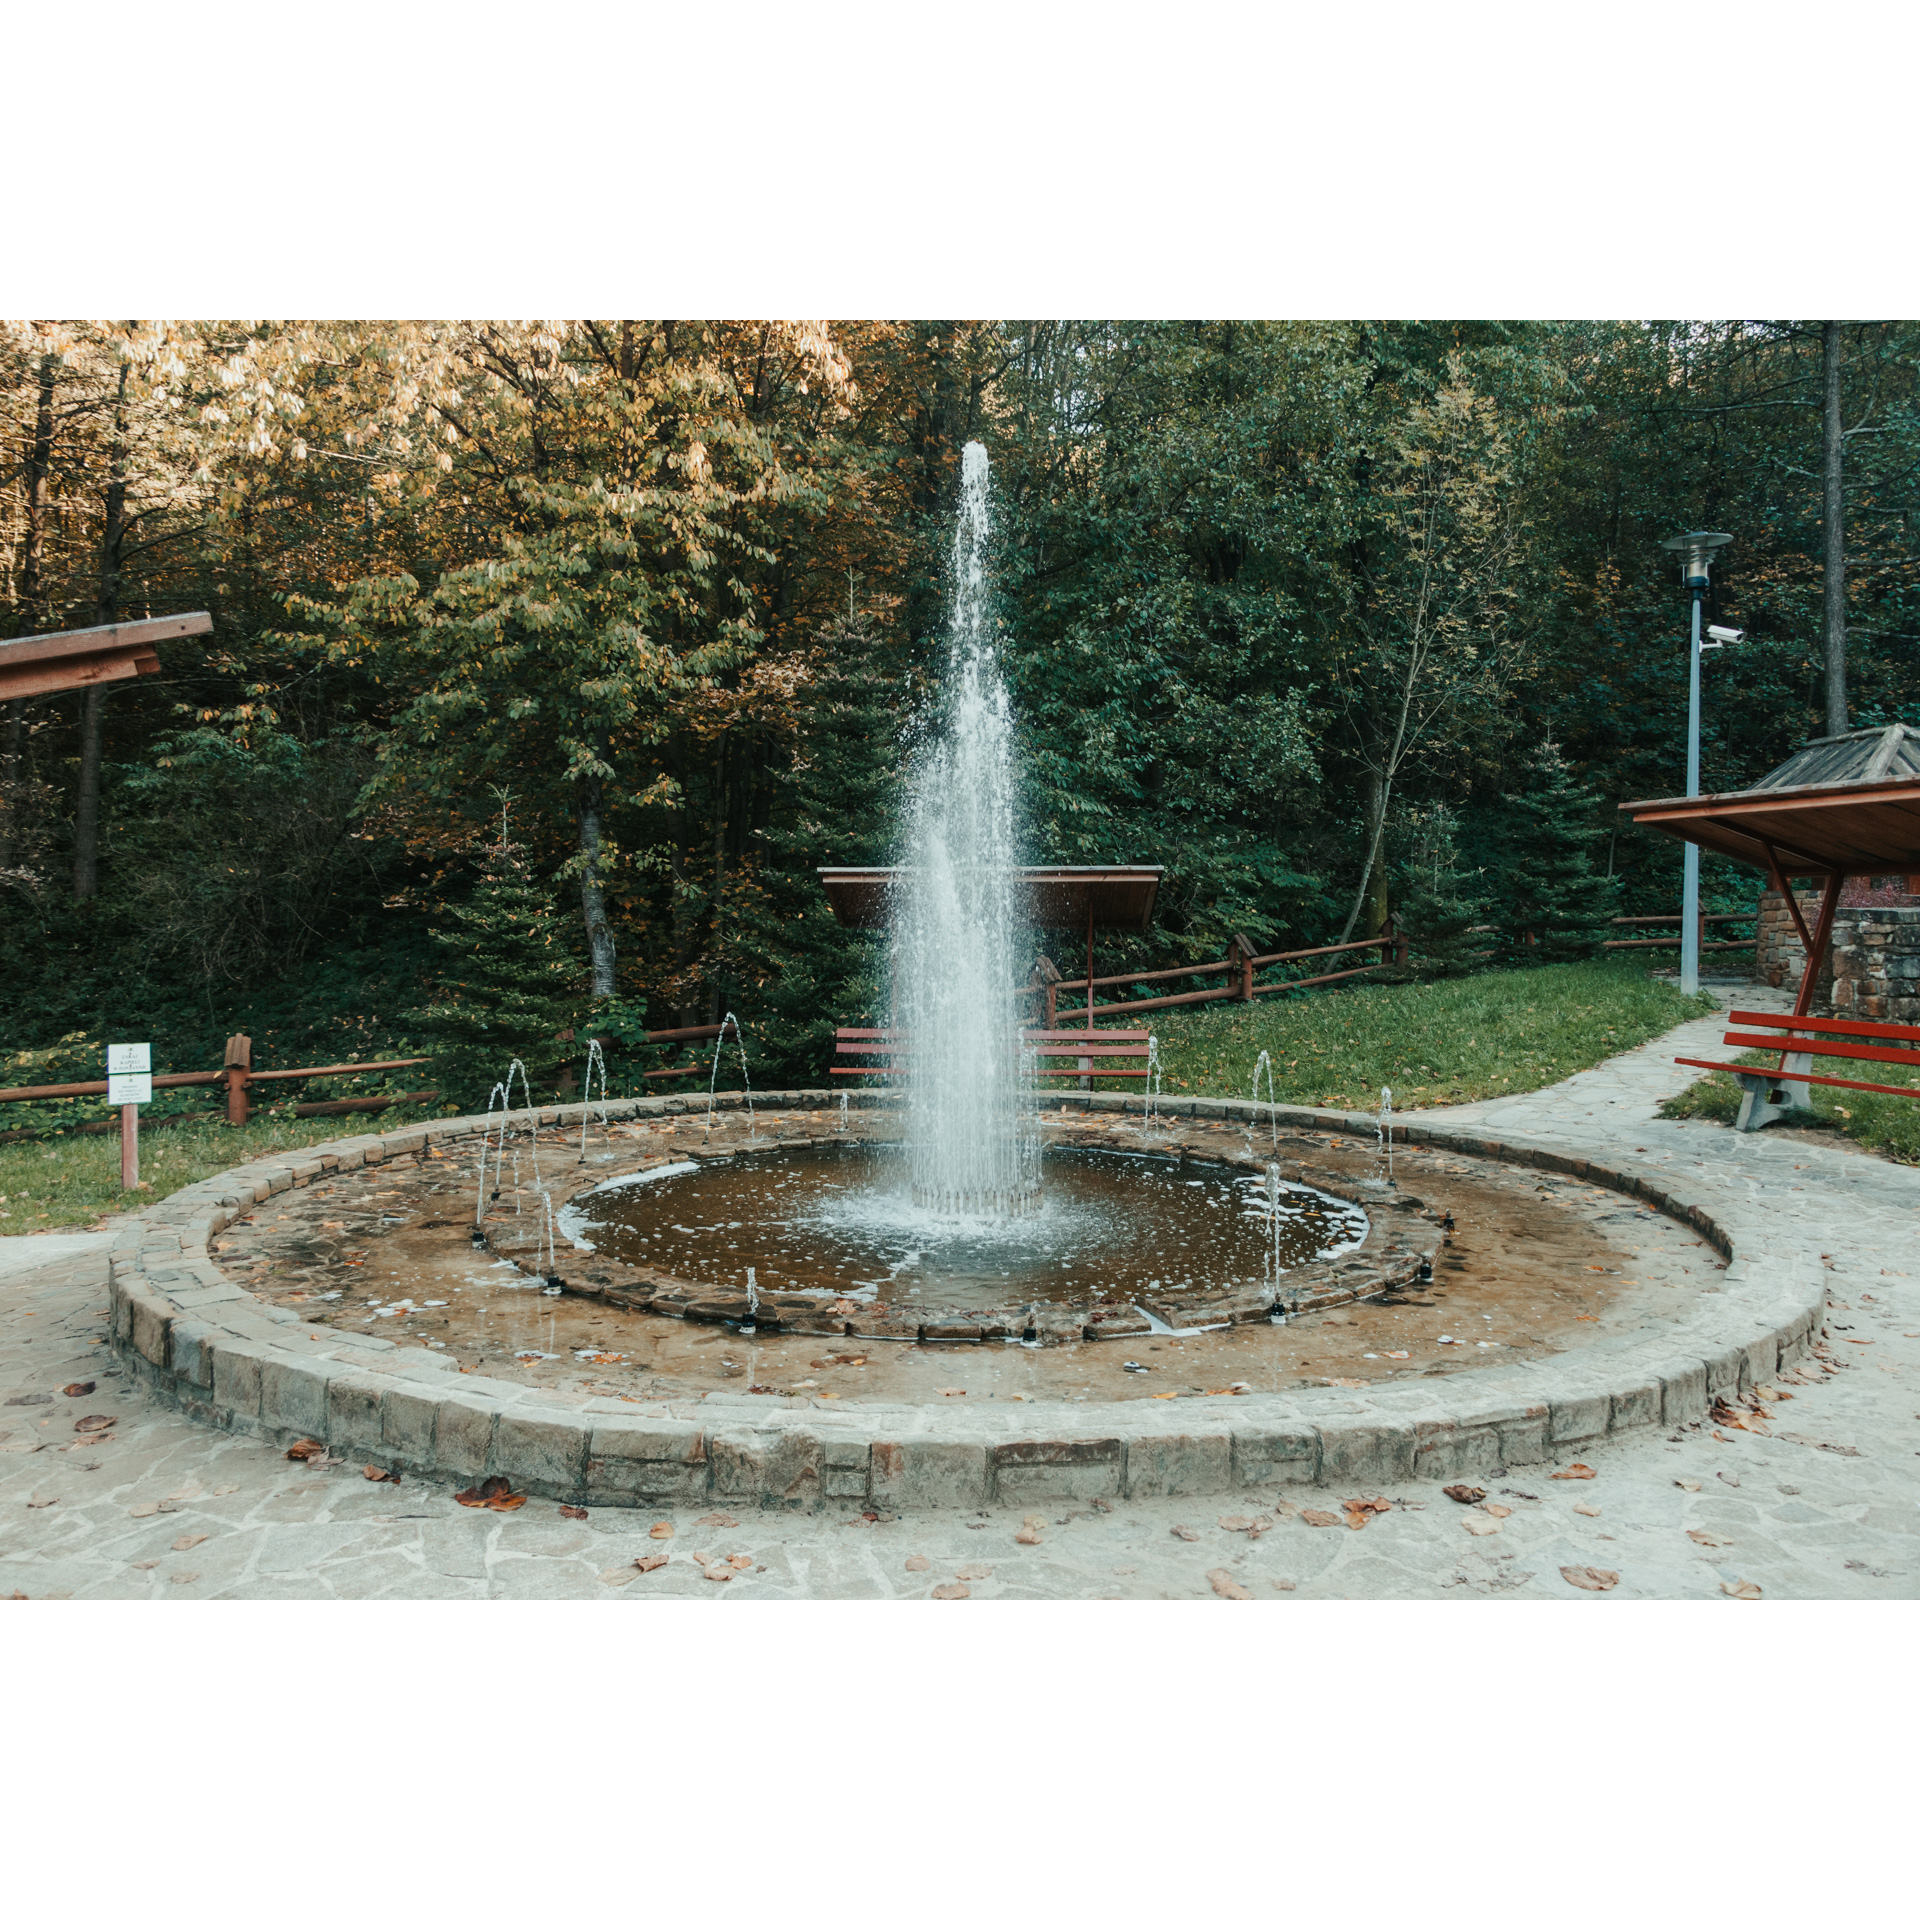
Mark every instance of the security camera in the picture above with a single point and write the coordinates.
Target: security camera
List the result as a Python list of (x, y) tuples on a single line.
[(1720, 635)]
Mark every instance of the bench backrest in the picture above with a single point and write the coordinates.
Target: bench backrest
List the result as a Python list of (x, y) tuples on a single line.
[(1826, 1039), (1807, 1023)]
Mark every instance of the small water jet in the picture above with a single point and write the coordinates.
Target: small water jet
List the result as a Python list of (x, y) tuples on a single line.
[(595, 1058), (713, 1082)]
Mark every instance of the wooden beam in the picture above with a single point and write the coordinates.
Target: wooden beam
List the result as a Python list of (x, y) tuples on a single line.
[(116, 638), (56, 676)]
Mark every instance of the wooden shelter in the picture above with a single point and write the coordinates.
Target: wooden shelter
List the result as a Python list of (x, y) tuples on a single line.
[(1845, 806), (90, 656)]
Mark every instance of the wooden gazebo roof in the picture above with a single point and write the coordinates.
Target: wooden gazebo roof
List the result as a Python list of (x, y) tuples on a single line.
[(1845, 805), (90, 656), (1077, 897)]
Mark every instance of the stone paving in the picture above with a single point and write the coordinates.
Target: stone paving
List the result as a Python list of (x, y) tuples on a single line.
[(1822, 1504)]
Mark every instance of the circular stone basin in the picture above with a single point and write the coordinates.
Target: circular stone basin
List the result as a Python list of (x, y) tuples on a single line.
[(1110, 1228)]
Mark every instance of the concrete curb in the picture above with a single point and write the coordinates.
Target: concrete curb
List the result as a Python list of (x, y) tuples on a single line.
[(222, 1356)]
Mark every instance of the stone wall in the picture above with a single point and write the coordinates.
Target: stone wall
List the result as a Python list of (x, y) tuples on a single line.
[(1872, 971)]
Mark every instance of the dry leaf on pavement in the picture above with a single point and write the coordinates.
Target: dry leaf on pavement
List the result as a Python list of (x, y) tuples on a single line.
[(1481, 1524), (79, 1389), (1592, 1513), (1701, 1537), (1226, 1586), (187, 1540), (1688, 1486), (720, 1572), (1183, 1533), (647, 1562), (716, 1520), (94, 1423), (495, 1494), (573, 1513), (1464, 1494), (953, 1590), (1739, 1589), (976, 1573), (1029, 1535), (306, 1449), (918, 1563), (661, 1530), (1498, 1512), (44, 1500), (1315, 1518), (1578, 1471), (1590, 1579)]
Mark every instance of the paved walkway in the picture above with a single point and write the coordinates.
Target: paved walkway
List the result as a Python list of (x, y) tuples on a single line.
[(1824, 1505)]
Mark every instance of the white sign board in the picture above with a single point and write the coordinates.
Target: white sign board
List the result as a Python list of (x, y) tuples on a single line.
[(129, 1074)]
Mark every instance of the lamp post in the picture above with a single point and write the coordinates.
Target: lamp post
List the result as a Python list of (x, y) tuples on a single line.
[(1697, 552)]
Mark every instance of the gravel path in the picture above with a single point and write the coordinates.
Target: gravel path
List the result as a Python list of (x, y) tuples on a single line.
[(1824, 1504)]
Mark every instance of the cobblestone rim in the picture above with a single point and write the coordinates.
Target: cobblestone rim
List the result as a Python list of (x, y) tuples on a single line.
[(222, 1356)]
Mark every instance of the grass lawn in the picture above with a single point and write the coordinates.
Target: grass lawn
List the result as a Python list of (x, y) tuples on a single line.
[(1434, 1045), (1883, 1123), (73, 1180)]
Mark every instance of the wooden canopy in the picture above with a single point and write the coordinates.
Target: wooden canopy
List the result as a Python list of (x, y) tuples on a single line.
[(1847, 805), (1077, 897), (89, 656)]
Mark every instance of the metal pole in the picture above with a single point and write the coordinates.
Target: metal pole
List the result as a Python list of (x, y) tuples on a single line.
[(1690, 884)]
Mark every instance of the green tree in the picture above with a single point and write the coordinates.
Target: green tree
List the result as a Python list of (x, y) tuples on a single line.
[(1556, 904)]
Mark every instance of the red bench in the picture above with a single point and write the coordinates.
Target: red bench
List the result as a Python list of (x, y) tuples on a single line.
[(1801, 1039), (1086, 1050)]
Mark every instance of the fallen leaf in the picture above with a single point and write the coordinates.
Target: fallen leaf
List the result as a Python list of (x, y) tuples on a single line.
[(573, 1513), (1028, 1536), (495, 1494), (720, 1572), (1183, 1533), (185, 1579), (918, 1563), (1315, 1518), (145, 1566), (1226, 1586), (976, 1573), (306, 1449), (1164, 1396), (188, 1540), (740, 1561), (953, 1590), (1334, 1380), (44, 1500), (1701, 1537), (143, 1510), (954, 1393), (1590, 1579), (647, 1562), (1464, 1494), (1578, 1471), (661, 1530), (1396, 1356), (1498, 1512), (1592, 1513), (1236, 1522), (1283, 1586), (94, 1423), (379, 1473), (716, 1520), (79, 1390), (1739, 1589), (1481, 1524), (1688, 1486)]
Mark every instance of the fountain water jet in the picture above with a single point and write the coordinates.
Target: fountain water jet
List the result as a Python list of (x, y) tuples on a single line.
[(973, 1148)]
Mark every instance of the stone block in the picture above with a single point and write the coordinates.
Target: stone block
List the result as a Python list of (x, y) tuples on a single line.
[(1634, 1405), (1574, 1416), (1447, 1450), (151, 1319), (541, 1451), (293, 1395), (1683, 1392), (929, 1473), (1723, 1372), (1760, 1360), (236, 1381), (1523, 1437), (192, 1354), (652, 1463), (1176, 1463), (1374, 1451), (463, 1439), (1058, 1470), (353, 1413), (407, 1416), (767, 1468), (845, 1470), (1276, 1455)]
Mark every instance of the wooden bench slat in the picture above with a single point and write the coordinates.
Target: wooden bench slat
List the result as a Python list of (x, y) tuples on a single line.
[(1863, 1029), (1812, 1079), (1825, 1049)]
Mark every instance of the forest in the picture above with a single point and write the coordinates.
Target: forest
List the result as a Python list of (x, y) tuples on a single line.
[(550, 659)]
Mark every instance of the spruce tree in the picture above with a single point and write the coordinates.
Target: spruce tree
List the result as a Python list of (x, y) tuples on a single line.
[(1439, 902), (507, 984), (1557, 905)]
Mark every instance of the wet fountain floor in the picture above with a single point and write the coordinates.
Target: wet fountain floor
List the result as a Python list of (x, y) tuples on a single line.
[(1538, 1264)]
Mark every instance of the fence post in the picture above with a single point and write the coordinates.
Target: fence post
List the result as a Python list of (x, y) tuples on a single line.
[(239, 1065), (1402, 946), (1046, 974), (1242, 950)]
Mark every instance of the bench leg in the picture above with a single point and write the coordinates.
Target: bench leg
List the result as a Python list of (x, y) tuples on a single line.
[(1759, 1102), (1798, 1093)]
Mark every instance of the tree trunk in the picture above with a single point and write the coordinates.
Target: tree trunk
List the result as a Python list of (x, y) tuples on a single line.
[(1833, 528), (1371, 894), (113, 536), (39, 470), (593, 903)]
